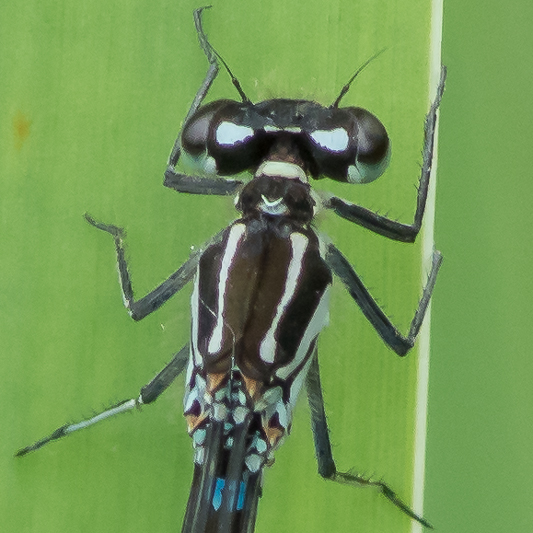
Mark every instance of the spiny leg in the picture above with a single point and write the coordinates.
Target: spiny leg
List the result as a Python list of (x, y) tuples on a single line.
[(324, 455), (148, 394), (385, 328), (393, 229), (210, 76), (199, 184), (138, 309)]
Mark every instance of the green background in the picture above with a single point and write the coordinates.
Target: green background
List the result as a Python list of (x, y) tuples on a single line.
[(92, 95)]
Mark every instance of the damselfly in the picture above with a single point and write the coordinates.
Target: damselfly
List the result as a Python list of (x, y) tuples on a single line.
[(261, 286)]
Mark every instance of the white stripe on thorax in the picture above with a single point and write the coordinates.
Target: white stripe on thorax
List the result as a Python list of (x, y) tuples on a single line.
[(299, 242), (318, 321), (296, 386), (195, 321), (235, 236)]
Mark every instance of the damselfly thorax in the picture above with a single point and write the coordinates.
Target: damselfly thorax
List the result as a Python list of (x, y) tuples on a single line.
[(259, 301)]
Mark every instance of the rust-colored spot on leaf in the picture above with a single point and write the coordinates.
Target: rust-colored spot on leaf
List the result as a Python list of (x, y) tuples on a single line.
[(21, 129)]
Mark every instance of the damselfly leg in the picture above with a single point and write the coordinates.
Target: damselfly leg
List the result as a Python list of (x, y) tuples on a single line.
[(324, 455), (199, 184), (384, 327), (381, 225), (149, 393)]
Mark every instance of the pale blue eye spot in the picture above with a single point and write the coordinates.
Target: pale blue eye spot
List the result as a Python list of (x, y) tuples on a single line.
[(366, 173), (333, 140), (203, 164), (229, 134)]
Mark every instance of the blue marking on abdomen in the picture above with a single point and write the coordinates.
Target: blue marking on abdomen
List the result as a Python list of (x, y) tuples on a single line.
[(217, 496), (240, 498)]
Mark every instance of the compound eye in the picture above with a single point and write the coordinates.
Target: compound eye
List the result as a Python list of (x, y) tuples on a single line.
[(196, 131), (373, 148)]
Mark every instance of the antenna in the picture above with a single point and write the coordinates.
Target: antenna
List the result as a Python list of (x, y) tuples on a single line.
[(346, 88)]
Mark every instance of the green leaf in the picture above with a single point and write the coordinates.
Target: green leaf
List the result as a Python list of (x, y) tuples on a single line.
[(93, 97)]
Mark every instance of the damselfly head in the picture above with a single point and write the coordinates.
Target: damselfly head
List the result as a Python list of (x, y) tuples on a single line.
[(226, 137)]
